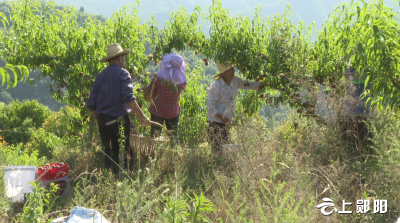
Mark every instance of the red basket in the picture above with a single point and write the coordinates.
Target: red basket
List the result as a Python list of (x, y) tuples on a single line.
[(52, 171)]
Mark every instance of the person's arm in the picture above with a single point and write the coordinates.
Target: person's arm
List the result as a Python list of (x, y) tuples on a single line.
[(263, 84), (182, 87), (144, 120), (152, 87), (224, 119), (130, 100), (91, 103), (247, 85), (94, 113)]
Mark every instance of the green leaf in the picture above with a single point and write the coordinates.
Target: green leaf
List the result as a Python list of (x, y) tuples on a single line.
[(376, 30), (366, 81), (4, 75)]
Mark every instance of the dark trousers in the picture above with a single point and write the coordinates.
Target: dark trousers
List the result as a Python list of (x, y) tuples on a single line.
[(355, 129), (172, 124), (109, 137), (218, 134)]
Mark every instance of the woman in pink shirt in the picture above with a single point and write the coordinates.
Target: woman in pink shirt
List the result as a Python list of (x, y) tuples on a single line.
[(166, 89)]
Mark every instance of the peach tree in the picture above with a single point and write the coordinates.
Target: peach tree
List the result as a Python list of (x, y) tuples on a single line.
[(365, 34), (20, 73), (53, 42), (292, 59), (274, 51)]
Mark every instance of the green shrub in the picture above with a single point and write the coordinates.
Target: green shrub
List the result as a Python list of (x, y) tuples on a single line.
[(5, 97), (22, 117), (16, 155), (38, 203), (193, 104), (60, 130), (67, 121), (43, 142)]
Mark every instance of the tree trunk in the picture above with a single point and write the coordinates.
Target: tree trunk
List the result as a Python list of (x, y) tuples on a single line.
[(90, 135)]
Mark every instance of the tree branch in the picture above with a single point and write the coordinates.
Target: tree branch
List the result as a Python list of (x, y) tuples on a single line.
[(395, 83)]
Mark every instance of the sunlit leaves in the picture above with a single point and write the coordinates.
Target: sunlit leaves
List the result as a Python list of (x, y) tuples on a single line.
[(3, 19), (369, 42), (20, 73), (272, 49), (51, 40)]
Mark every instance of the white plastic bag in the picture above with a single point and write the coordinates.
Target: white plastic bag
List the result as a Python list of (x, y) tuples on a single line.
[(83, 215), (17, 179), (60, 220)]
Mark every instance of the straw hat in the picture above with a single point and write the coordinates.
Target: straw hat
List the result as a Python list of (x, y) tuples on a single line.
[(114, 50), (222, 68)]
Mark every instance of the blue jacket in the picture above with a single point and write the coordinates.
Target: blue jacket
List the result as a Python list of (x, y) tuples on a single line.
[(111, 92)]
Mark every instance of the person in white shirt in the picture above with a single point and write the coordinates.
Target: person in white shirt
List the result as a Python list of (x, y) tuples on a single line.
[(221, 103)]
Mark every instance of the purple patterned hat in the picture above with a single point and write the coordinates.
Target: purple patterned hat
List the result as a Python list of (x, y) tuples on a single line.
[(173, 68)]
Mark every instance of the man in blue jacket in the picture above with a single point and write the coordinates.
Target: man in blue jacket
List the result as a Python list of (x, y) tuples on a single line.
[(112, 97)]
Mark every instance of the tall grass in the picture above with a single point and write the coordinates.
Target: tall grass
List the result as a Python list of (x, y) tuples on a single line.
[(279, 174)]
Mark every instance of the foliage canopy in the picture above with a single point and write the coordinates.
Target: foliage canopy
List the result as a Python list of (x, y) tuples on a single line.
[(264, 49)]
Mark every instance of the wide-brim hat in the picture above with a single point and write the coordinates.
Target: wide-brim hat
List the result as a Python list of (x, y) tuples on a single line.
[(114, 50), (222, 68)]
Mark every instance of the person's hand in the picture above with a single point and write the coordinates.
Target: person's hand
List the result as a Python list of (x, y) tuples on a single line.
[(145, 121), (225, 120), (264, 84)]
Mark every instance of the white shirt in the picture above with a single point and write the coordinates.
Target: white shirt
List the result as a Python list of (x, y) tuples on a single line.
[(222, 97)]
